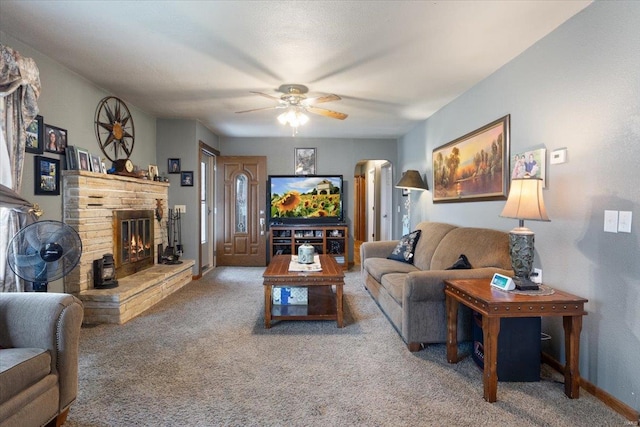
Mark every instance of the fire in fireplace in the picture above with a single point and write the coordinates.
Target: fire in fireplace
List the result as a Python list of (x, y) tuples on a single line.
[(134, 241)]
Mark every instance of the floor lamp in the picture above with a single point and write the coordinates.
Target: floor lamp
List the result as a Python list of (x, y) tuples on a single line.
[(411, 180), (524, 202)]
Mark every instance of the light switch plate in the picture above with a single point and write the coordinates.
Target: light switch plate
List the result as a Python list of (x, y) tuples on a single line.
[(181, 208), (611, 221), (624, 221)]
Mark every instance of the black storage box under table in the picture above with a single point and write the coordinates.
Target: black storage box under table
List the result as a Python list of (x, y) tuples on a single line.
[(519, 348)]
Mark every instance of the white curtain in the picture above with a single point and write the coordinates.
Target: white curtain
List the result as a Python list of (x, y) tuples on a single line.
[(19, 91)]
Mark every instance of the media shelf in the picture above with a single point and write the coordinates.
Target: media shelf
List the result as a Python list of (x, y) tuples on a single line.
[(326, 239)]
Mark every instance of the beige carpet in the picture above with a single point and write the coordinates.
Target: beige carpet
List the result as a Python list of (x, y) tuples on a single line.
[(202, 358)]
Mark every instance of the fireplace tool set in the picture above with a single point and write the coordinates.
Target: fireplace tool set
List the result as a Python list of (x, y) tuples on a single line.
[(173, 251)]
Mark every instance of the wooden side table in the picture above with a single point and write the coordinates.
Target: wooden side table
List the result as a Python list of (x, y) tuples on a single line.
[(495, 304)]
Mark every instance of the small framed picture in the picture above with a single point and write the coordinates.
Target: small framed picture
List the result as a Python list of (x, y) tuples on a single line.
[(530, 164), (104, 167), (186, 179), (174, 165), (305, 161), (96, 163), (35, 136), (153, 172), (55, 139), (84, 163), (47, 176)]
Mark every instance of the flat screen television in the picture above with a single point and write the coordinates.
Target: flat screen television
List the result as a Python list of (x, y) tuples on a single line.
[(305, 199)]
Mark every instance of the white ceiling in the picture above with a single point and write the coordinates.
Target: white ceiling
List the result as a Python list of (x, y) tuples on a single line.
[(394, 63)]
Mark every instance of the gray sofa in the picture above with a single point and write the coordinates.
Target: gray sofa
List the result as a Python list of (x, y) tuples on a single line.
[(39, 337), (412, 295)]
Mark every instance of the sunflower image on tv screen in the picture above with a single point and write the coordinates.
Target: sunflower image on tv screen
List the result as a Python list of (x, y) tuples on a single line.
[(305, 198)]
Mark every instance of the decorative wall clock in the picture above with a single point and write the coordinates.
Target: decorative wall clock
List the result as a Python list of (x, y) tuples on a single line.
[(114, 128)]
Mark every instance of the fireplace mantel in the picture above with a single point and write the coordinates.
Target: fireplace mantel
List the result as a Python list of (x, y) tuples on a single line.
[(89, 201)]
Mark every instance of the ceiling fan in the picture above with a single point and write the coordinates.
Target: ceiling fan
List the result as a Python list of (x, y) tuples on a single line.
[(294, 100)]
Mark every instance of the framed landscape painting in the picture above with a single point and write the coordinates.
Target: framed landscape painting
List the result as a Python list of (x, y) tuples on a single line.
[(473, 167)]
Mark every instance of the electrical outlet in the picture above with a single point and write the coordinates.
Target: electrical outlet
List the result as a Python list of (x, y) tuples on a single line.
[(536, 277), (181, 208)]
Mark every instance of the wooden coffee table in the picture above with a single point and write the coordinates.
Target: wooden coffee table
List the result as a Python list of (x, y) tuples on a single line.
[(323, 303), (495, 304)]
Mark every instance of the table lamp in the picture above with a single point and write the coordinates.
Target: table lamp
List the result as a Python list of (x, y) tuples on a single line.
[(411, 180), (524, 202)]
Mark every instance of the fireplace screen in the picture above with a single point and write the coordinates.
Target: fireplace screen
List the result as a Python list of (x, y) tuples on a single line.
[(134, 241)]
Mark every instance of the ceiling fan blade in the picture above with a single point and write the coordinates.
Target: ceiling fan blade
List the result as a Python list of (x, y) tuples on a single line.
[(259, 109), (327, 113), (267, 96), (320, 99)]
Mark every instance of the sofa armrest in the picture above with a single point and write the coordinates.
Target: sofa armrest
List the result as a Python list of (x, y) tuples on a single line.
[(429, 285), (49, 321), (381, 249)]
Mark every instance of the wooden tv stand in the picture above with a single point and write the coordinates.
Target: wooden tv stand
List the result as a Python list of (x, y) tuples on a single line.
[(326, 238)]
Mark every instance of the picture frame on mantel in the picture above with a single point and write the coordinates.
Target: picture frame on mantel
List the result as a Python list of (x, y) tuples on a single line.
[(47, 176), (305, 161), (474, 167)]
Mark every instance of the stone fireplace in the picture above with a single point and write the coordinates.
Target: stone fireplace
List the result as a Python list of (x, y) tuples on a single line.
[(98, 206)]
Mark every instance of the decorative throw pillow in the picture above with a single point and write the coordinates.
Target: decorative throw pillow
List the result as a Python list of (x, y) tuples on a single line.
[(406, 247), (461, 264)]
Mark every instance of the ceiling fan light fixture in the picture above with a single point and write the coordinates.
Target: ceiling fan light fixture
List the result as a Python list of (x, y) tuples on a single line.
[(293, 117)]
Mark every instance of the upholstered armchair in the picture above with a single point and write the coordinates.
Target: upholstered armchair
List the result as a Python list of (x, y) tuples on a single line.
[(39, 337)]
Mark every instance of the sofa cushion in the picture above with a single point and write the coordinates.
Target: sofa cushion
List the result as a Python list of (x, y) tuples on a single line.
[(378, 267), (394, 284), (430, 237), (20, 368), (406, 247), (482, 246)]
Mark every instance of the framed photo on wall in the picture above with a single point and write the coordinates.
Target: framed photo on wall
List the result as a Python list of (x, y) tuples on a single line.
[(55, 139), (47, 176), (35, 136), (174, 166), (473, 167), (532, 163), (186, 179), (305, 161)]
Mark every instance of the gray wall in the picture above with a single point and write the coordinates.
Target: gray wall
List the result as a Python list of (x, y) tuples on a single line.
[(333, 156), (179, 138), (577, 88), (69, 101)]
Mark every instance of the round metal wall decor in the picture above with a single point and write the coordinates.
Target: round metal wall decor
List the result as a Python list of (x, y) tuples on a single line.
[(114, 128)]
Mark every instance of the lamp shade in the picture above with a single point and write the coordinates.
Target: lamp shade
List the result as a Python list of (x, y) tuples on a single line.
[(412, 180), (525, 200)]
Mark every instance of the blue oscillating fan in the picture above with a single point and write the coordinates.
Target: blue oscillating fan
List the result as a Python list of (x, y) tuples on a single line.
[(43, 252)]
